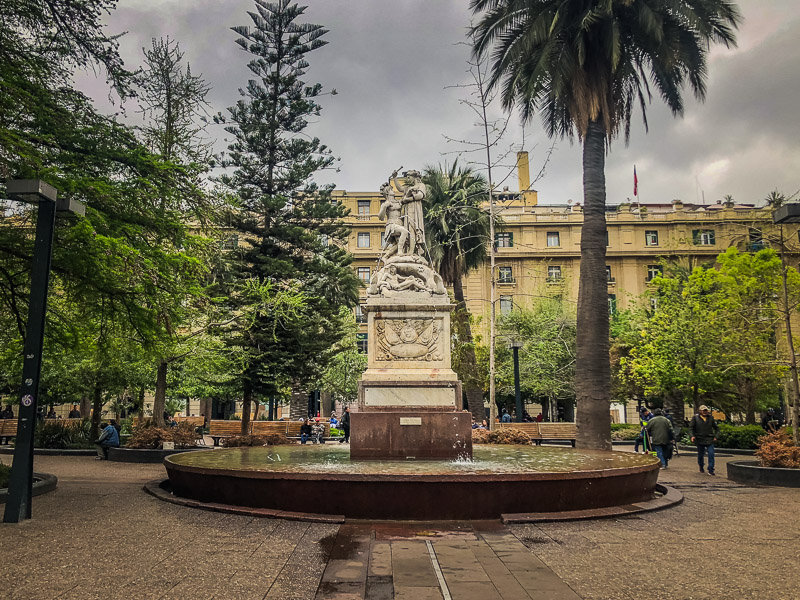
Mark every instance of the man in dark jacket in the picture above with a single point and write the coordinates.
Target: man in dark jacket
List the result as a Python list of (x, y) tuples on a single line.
[(704, 433), (660, 430), (345, 424)]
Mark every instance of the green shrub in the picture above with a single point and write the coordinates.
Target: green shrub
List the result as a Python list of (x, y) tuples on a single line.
[(63, 436), (624, 431), (5, 473), (743, 437), (337, 432)]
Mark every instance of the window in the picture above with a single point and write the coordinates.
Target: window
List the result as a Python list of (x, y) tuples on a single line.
[(360, 316), (231, 242), (607, 244), (504, 275), (756, 241), (361, 342), (651, 238), (503, 240), (506, 304), (553, 239), (363, 274), (612, 304), (609, 278), (653, 271), (363, 240), (363, 207), (554, 273), (703, 237)]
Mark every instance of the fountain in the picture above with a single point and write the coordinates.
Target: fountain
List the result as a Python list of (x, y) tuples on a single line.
[(411, 453)]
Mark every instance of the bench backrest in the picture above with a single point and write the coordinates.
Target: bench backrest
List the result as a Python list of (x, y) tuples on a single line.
[(532, 429), (269, 427), (293, 428), (8, 427), (195, 421), (558, 431), (225, 427)]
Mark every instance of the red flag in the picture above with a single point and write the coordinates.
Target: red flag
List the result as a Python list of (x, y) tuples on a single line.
[(635, 182)]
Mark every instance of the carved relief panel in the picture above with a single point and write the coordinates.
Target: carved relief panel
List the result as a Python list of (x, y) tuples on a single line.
[(408, 339)]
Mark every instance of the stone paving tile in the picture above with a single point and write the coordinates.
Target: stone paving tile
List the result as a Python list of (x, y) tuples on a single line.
[(411, 566)]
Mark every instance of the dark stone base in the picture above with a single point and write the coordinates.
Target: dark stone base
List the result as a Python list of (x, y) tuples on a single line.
[(410, 435), (145, 455), (750, 472), (42, 483)]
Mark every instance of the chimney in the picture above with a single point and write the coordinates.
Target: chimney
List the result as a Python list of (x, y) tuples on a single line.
[(523, 171)]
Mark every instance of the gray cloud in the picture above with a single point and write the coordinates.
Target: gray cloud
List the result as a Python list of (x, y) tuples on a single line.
[(392, 60)]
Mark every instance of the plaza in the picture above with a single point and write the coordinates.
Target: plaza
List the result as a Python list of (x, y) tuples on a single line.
[(100, 536)]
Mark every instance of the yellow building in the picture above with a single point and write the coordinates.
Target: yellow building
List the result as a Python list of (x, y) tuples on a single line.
[(538, 249)]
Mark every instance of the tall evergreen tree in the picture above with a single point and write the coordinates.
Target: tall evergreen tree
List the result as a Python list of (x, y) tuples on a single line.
[(290, 232)]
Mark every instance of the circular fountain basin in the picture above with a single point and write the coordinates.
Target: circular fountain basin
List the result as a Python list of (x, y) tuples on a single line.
[(499, 480)]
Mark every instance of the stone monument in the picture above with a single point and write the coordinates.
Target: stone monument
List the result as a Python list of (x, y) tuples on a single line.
[(409, 398)]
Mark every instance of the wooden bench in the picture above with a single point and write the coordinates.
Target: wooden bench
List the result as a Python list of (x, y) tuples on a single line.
[(532, 429), (194, 420), (220, 429), (269, 427), (8, 429), (559, 432)]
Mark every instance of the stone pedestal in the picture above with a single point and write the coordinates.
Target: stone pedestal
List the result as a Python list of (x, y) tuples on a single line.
[(409, 398)]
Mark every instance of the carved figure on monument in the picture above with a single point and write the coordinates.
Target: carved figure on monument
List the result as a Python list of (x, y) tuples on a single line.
[(413, 194), (408, 339), (406, 269), (395, 237)]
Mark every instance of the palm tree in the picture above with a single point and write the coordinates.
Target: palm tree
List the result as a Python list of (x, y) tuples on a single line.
[(585, 64), (457, 231)]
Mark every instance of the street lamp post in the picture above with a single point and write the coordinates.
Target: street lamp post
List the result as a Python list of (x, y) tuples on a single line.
[(515, 345), (32, 191)]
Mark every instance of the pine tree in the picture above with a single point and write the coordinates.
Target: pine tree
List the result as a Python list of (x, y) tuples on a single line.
[(289, 231)]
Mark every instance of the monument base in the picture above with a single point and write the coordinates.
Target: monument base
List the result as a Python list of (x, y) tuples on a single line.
[(405, 434)]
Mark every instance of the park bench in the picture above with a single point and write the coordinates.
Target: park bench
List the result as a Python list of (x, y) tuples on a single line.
[(532, 429), (193, 420), (8, 430), (558, 432), (221, 429), (269, 427), (293, 429)]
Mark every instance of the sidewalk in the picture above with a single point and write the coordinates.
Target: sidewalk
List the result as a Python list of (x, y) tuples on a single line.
[(100, 536)]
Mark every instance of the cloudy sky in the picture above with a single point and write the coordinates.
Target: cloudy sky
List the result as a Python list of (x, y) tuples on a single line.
[(394, 64)]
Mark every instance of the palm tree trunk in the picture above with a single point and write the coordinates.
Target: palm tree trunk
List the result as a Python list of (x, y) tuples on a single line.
[(674, 403), (593, 373), (298, 404), (469, 378)]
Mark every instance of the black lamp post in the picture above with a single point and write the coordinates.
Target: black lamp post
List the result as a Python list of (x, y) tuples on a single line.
[(515, 345), (33, 191)]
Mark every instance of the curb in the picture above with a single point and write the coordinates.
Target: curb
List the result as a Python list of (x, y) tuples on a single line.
[(750, 472), (670, 497), (160, 489), (55, 451), (42, 483)]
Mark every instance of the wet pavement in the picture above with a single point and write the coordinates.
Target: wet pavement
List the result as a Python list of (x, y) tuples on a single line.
[(100, 536)]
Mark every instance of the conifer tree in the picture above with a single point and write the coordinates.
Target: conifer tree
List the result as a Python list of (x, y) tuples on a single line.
[(290, 233)]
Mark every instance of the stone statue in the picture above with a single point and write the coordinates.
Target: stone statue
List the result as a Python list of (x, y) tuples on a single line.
[(395, 238), (406, 270), (413, 194)]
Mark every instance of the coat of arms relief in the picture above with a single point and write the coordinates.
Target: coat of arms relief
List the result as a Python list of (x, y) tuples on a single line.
[(408, 339)]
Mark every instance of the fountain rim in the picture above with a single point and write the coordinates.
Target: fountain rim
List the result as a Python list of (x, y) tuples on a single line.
[(408, 477)]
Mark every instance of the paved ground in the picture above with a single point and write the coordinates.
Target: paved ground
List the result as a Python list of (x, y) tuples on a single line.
[(99, 536)]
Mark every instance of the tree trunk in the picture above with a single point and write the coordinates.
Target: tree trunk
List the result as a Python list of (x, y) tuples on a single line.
[(247, 398), (86, 406), (97, 409), (696, 398), (469, 376), (160, 398), (593, 372), (298, 404), (325, 405), (141, 405), (675, 404)]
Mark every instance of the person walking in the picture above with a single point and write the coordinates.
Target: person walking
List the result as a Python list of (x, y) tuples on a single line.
[(345, 423), (661, 434), (704, 433)]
